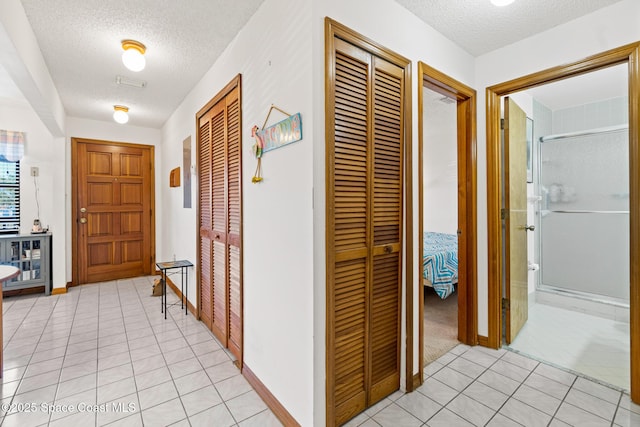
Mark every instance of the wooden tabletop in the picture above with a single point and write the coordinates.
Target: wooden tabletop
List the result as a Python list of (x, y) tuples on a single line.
[(8, 272)]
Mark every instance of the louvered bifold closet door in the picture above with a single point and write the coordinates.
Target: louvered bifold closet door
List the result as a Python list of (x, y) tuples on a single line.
[(234, 223), (219, 220), (365, 172), (350, 231), (220, 165), (387, 229), (204, 178)]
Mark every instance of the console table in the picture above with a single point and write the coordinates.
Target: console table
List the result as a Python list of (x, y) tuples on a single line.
[(31, 254), (183, 265)]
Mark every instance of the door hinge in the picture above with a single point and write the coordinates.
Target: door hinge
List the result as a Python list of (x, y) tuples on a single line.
[(502, 124), (506, 305), (503, 214)]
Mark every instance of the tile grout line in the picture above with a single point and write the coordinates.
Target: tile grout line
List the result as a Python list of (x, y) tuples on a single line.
[(508, 397), (128, 350), (165, 363), (22, 378), (204, 369)]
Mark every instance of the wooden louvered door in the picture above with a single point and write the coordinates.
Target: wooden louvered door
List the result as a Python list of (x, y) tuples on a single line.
[(220, 204), (205, 302), (365, 122), (234, 224), (386, 222)]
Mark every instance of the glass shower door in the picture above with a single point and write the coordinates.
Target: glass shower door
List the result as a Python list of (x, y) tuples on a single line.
[(584, 236)]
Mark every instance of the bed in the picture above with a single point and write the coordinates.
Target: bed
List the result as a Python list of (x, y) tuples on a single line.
[(440, 262)]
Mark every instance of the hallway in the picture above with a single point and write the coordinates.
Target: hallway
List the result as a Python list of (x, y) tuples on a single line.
[(105, 355), (107, 344)]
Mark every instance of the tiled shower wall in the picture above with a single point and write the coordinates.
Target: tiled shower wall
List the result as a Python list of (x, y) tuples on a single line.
[(610, 112)]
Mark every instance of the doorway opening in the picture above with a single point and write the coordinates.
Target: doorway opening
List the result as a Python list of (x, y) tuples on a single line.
[(440, 225), (447, 215), (578, 202), (563, 192)]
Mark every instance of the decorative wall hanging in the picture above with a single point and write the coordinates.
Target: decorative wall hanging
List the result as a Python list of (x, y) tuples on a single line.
[(174, 177), (275, 136)]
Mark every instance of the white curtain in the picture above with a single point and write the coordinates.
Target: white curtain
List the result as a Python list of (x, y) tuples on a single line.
[(12, 145)]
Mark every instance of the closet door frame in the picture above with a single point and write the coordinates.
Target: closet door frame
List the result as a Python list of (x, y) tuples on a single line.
[(333, 31), (235, 83)]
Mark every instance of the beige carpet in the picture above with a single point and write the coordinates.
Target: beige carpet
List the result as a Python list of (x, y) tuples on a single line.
[(440, 324)]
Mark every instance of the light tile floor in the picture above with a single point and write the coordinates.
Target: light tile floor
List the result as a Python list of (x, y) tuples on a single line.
[(592, 345), (476, 386), (104, 354)]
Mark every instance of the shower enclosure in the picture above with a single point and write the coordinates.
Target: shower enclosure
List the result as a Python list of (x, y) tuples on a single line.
[(584, 214)]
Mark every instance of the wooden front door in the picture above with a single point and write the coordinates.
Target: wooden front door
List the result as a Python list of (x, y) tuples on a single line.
[(515, 196), (365, 149), (220, 217), (113, 210)]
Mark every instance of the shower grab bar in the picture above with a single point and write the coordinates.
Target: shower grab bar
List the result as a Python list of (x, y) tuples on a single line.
[(583, 133), (590, 212)]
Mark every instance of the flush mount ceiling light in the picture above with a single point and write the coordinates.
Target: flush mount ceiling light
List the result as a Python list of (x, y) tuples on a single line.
[(501, 2), (133, 55), (121, 114)]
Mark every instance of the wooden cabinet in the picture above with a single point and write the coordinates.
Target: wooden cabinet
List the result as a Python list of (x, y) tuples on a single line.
[(31, 253)]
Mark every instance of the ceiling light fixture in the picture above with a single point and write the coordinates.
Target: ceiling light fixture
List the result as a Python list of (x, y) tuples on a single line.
[(120, 114), (501, 3), (133, 55)]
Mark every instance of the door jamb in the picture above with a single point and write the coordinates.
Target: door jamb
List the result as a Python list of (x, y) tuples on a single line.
[(467, 195), (74, 201), (629, 54)]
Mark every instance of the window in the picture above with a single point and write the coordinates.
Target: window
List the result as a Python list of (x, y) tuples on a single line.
[(9, 196)]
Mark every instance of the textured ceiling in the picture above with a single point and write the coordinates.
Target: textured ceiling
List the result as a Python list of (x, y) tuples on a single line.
[(480, 27), (80, 42)]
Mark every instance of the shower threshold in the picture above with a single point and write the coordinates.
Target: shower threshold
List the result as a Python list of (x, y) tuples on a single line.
[(595, 305)]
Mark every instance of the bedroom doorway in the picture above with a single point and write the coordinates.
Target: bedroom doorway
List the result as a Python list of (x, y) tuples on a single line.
[(447, 215)]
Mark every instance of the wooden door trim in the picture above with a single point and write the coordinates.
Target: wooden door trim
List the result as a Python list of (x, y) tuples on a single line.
[(335, 30), (74, 200), (627, 54), (467, 216)]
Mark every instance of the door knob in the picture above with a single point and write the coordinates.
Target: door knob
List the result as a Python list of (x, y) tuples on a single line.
[(83, 210), (83, 220), (528, 227), (388, 249)]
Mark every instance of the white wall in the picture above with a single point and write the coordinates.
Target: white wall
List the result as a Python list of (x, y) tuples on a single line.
[(605, 29), (273, 54), (21, 57), (440, 164), (47, 153), (107, 131), (392, 26)]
